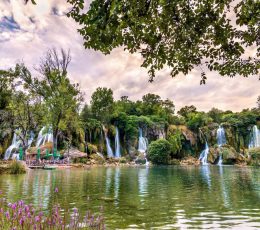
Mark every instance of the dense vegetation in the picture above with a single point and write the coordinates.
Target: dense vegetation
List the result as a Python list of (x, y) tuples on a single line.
[(47, 98)]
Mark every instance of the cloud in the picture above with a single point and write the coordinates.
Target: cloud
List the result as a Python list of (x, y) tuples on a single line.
[(28, 31)]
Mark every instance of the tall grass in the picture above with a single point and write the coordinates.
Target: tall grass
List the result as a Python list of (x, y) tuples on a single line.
[(16, 167)]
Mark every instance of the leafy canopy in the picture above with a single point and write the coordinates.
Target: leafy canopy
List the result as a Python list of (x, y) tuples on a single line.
[(179, 34)]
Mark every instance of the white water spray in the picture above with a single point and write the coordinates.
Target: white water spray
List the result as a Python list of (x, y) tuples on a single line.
[(109, 149), (117, 144), (204, 155), (14, 146), (255, 138), (142, 145), (221, 140), (44, 137)]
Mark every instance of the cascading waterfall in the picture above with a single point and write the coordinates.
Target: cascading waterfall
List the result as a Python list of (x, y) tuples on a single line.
[(14, 146), (117, 144), (255, 138), (221, 140), (109, 149), (221, 137), (142, 144), (44, 137), (204, 155)]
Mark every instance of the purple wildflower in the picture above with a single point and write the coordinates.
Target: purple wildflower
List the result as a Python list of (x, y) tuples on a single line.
[(7, 215), (56, 190), (37, 219)]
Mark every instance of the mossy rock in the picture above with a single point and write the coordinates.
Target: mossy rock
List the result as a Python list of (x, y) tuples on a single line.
[(254, 156), (174, 162), (229, 155), (97, 158)]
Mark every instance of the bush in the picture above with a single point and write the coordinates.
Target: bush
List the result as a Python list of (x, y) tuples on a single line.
[(17, 167), (92, 148), (159, 151)]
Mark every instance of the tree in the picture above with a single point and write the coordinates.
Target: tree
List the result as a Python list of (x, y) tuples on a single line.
[(25, 112), (186, 110), (180, 34), (151, 104), (102, 103), (258, 102), (61, 97), (215, 114), (159, 151)]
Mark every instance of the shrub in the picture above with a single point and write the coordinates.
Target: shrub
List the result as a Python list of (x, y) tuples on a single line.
[(17, 167), (159, 151), (92, 148)]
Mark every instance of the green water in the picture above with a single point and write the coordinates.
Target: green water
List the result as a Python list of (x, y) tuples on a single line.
[(145, 198)]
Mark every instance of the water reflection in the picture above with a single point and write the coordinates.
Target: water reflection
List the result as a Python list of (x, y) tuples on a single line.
[(145, 198), (205, 172), (223, 186), (142, 183)]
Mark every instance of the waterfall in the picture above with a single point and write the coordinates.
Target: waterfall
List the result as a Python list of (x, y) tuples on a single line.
[(15, 145), (204, 155), (117, 144), (221, 138), (255, 138), (44, 137), (109, 149), (142, 145), (142, 142)]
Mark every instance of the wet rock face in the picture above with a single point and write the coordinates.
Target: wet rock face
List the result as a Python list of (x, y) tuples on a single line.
[(228, 153)]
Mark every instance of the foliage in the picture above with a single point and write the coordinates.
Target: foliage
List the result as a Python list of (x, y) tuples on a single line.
[(159, 151), (197, 120), (16, 167), (102, 103), (61, 98), (176, 140), (186, 110), (181, 34)]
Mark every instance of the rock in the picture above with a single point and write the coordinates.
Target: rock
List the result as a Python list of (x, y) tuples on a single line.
[(174, 162), (140, 159), (190, 161), (75, 153), (97, 159), (254, 156)]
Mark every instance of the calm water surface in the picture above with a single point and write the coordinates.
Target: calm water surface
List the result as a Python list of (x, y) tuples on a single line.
[(148, 198)]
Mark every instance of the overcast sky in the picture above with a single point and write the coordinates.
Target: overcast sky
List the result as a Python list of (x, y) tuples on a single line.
[(26, 32)]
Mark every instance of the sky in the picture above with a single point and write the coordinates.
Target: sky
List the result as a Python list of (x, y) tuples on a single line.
[(27, 31)]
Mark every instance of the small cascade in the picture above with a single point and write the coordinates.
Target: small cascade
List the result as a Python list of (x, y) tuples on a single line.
[(109, 149), (221, 137), (204, 155), (255, 138), (221, 140), (142, 145), (117, 144), (44, 137), (14, 146)]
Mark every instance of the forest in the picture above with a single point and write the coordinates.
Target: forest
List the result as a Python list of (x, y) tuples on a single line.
[(45, 97)]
